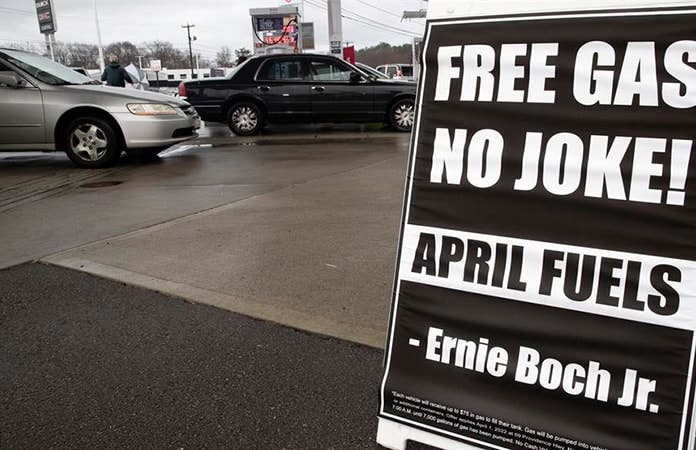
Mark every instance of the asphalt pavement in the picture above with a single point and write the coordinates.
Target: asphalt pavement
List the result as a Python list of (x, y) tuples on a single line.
[(90, 363), (296, 228)]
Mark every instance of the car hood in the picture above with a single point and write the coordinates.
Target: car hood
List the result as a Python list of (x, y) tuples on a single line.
[(127, 94)]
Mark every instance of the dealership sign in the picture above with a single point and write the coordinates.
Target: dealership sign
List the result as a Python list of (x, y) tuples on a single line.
[(46, 16), (545, 293)]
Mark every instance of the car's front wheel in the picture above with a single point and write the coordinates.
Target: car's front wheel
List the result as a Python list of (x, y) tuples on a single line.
[(92, 142), (402, 114), (245, 119)]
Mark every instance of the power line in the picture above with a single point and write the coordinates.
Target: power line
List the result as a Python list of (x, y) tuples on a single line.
[(16, 11), (376, 22), (380, 9), (371, 23)]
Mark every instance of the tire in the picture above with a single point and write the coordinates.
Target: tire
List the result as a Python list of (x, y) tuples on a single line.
[(245, 119), (92, 142), (402, 114)]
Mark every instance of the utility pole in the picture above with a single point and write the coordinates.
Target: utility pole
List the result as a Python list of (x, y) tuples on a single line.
[(335, 27), (140, 61), (188, 30)]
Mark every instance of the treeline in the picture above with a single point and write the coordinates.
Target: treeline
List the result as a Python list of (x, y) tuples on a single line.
[(76, 54), (384, 53)]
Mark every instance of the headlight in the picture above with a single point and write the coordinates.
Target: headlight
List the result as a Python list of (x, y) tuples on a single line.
[(152, 109)]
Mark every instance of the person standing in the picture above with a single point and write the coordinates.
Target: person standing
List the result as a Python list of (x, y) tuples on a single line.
[(114, 74)]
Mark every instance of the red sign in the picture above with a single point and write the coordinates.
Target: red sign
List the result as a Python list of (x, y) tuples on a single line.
[(349, 54)]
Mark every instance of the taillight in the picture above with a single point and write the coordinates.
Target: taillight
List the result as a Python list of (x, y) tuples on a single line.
[(182, 89)]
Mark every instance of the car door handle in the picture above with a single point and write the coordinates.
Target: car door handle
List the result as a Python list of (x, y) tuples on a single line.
[(264, 88), (318, 88)]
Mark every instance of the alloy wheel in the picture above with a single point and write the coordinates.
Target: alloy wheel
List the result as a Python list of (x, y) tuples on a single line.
[(245, 119), (89, 142), (403, 115)]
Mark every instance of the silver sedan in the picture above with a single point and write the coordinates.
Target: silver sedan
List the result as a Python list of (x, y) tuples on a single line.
[(47, 106)]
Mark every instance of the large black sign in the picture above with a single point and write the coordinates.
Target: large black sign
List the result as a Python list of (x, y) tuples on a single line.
[(46, 16), (545, 294)]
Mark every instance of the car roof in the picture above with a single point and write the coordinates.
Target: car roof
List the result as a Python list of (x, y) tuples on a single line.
[(285, 55)]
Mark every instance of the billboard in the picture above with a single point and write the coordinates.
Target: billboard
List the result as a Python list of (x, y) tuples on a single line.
[(46, 16), (275, 29), (545, 293)]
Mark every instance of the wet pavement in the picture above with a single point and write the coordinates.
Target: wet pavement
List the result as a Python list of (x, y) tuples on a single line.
[(296, 227)]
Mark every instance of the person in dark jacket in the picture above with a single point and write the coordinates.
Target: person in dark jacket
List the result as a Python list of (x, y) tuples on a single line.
[(115, 75)]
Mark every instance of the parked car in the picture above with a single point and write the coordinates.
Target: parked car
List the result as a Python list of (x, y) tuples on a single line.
[(301, 89), (371, 71), (47, 106), (397, 71)]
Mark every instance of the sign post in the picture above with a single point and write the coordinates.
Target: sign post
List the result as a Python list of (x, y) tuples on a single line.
[(545, 291), (47, 22), (156, 66)]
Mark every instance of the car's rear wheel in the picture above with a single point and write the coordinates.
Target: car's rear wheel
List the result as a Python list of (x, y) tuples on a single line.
[(92, 142), (245, 119), (402, 114)]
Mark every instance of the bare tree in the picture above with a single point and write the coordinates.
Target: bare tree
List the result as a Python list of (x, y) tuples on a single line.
[(224, 57), (84, 55), (27, 47), (74, 54), (165, 52), (125, 51)]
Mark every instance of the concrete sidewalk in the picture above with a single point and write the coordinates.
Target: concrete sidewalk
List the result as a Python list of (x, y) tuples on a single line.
[(317, 255)]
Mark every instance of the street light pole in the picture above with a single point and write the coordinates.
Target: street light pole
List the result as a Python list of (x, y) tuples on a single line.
[(188, 30), (99, 40)]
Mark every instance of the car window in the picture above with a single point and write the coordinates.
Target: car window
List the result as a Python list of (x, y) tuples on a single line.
[(282, 70), (4, 71), (329, 71), (391, 71), (407, 71)]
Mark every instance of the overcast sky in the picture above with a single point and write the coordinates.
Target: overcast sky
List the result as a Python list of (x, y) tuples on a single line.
[(218, 22)]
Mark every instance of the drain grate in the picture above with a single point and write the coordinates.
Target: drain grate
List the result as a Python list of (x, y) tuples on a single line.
[(100, 184)]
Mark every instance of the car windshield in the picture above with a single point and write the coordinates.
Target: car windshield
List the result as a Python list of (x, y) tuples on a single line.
[(43, 69)]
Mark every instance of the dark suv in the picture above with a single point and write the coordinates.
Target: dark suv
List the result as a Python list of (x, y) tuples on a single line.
[(300, 88)]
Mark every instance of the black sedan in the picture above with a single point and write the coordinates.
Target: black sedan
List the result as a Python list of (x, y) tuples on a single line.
[(300, 89)]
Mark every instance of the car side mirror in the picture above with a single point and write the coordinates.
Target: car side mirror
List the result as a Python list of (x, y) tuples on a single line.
[(10, 79), (356, 77)]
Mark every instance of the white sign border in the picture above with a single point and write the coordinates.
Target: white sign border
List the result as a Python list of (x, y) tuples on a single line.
[(409, 189)]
